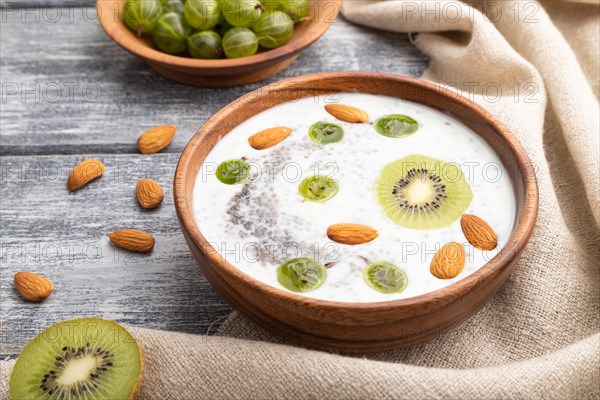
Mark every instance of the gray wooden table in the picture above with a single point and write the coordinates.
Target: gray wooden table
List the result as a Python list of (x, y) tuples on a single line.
[(69, 92)]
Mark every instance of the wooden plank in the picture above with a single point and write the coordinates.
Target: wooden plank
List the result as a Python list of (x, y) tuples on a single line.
[(62, 236), (68, 89)]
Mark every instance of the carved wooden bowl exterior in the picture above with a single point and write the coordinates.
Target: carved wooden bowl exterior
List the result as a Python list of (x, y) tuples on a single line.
[(357, 327), (223, 72)]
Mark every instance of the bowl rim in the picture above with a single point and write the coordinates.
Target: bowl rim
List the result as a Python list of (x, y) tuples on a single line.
[(501, 261), (112, 26)]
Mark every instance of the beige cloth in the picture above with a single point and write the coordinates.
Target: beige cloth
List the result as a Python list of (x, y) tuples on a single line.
[(539, 337)]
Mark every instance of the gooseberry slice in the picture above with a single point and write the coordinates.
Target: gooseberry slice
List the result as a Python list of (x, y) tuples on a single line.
[(318, 188), (325, 132), (385, 277), (301, 274), (232, 172), (396, 126)]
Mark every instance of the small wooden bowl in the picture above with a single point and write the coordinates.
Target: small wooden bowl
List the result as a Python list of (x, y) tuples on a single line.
[(223, 72), (357, 327)]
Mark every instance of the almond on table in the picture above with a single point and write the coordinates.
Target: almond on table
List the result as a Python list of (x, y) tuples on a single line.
[(156, 139), (83, 173), (149, 193), (132, 239), (32, 286)]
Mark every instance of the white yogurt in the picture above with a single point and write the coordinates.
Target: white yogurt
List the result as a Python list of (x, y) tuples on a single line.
[(258, 225)]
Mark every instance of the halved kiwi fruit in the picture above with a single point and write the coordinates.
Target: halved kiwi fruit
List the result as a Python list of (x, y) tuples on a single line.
[(87, 358), (421, 192)]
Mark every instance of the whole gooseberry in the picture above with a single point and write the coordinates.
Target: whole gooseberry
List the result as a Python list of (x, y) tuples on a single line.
[(171, 32), (141, 16)]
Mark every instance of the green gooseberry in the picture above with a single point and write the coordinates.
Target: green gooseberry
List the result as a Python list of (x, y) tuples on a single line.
[(273, 29), (240, 42), (272, 5), (205, 44), (297, 9), (301, 274), (318, 188), (141, 16), (171, 33), (396, 126), (232, 172), (242, 13), (385, 277), (202, 14), (173, 5), (325, 132)]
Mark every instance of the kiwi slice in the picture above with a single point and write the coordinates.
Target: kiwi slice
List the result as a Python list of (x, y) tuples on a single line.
[(421, 192), (385, 277), (301, 274), (87, 358)]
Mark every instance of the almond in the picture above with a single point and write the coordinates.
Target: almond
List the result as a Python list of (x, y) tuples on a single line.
[(269, 137), (156, 139), (448, 262), (149, 193), (132, 239), (83, 173), (478, 232), (33, 286), (347, 113), (351, 233)]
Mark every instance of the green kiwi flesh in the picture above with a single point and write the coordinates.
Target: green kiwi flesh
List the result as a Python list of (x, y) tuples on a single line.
[(421, 192), (87, 358)]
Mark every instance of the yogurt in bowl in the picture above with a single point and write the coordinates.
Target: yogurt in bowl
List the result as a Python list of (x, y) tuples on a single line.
[(313, 226), (264, 221)]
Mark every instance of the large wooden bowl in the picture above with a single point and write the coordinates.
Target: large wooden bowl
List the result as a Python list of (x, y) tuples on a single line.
[(224, 72), (344, 326)]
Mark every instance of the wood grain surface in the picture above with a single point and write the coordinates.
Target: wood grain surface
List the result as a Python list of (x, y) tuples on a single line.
[(68, 92)]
